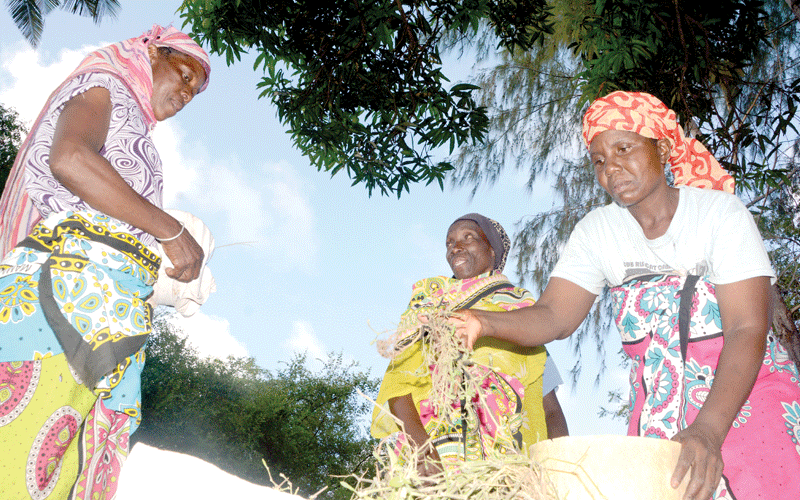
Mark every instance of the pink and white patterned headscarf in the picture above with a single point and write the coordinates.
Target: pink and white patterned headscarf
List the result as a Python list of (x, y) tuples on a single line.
[(129, 60), (690, 161)]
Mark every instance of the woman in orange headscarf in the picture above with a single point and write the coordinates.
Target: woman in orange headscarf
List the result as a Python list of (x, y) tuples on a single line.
[(690, 283), (73, 316)]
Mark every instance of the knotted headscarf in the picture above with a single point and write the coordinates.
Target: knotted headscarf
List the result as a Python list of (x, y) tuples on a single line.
[(690, 161), (130, 62), (498, 239)]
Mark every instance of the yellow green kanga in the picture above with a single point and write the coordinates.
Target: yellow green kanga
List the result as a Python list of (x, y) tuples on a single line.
[(505, 414)]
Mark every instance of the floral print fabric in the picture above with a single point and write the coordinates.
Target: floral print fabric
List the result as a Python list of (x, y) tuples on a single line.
[(670, 381)]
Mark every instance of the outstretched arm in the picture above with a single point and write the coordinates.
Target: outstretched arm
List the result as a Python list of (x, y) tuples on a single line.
[(77, 164), (745, 308), (556, 315)]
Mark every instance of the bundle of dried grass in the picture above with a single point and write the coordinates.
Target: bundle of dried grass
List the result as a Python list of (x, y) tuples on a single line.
[(397, 476), (442, 351), (501, 478), (286, 486)]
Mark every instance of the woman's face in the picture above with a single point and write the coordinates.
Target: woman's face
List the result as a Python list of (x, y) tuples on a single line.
[(629, 166), (468, 250), (177, 78)]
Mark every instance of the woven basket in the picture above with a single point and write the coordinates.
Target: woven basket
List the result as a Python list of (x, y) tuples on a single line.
[(610, 467)]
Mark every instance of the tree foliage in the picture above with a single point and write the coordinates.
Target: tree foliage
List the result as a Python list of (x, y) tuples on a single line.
[(308, 426), (11, 132), (359, 82), (29, 15), (365, 93)]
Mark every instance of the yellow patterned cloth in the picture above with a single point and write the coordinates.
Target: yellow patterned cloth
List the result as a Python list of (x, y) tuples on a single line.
[(506, 416)]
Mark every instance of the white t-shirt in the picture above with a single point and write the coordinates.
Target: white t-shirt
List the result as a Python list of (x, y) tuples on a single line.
[(551, 378), (712, 233)]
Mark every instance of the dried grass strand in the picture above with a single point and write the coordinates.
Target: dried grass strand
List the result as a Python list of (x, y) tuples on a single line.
[(397, 474)]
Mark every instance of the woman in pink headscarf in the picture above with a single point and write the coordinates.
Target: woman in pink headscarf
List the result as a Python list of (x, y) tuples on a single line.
[(81, 217), (690, 283)]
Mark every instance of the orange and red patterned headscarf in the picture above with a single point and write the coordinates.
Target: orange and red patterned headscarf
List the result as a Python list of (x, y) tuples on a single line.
[(690, 161)]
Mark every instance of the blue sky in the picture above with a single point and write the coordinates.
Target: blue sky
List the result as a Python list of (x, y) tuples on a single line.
[(305, 261)]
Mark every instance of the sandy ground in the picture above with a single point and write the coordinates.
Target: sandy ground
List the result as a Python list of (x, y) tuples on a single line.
[(161, 475)]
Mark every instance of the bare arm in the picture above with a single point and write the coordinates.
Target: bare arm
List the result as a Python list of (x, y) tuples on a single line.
[(403, 408), (77, 164), (556, 315), (745, 308), (554, 416)]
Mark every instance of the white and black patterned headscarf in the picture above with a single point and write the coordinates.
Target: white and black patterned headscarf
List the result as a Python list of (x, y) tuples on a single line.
[(494, 232)]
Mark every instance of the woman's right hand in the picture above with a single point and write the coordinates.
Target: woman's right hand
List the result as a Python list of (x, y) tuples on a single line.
[(468, 326), (186, 256), (429, 464)]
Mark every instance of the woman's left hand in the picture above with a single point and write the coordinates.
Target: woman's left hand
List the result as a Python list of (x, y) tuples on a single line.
[(700, 452)]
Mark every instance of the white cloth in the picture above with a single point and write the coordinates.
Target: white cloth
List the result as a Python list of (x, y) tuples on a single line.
[(712, 233), (157, 474), (186, 298), (551, 378)]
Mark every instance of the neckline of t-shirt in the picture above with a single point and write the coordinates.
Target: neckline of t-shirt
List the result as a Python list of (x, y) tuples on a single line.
[(667, 237)]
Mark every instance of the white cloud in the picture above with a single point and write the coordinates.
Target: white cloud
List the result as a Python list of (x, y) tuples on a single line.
[(269, 208), (304, 340), (26, 81), (291, 233), (180, 173), (210, 335)]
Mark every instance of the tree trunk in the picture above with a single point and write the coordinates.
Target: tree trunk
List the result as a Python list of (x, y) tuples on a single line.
[(795, 6), (782, 324)]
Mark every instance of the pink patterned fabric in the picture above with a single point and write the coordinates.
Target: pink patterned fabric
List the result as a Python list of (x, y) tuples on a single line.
[(690, 161), (128, 60), (104, 448), (487, 416), (761, 452)]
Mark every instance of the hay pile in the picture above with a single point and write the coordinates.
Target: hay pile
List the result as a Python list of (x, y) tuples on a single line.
[(397, 474), (509, 477)]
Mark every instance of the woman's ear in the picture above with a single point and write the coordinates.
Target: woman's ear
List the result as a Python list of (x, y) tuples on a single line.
[(152, 51), (664, 148)]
